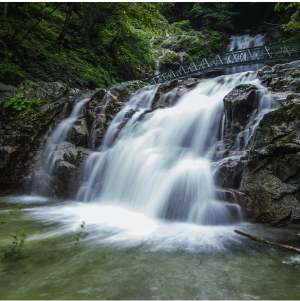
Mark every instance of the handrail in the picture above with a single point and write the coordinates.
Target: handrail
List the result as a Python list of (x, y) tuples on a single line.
[(240, 57)]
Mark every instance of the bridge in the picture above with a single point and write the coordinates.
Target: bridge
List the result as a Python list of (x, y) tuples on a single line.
[(241, 57)]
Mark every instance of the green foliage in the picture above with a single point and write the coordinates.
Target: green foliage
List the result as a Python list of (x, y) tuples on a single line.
[(137, 85), (18, 240), (18, 104), (184, 25), (201, 45), (7, 216), (78, 234), (213, 15), (82, 44), (291, 29), (13, 252), (166, 44), (170, 57)]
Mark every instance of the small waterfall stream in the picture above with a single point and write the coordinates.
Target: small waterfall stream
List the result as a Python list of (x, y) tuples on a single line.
[(242, 42), (52, 151)]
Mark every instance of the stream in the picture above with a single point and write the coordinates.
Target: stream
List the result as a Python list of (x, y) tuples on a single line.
[(125, 255)]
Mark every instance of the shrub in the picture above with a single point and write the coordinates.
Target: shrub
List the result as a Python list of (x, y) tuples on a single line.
[(184, 25)]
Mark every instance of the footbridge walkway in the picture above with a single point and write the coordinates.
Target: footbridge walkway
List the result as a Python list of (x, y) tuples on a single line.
[(241, 57)]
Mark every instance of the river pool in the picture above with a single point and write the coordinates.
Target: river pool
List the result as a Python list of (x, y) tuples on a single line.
[(126, 255)]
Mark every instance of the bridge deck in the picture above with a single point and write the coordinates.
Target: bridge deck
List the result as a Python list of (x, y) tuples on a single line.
[(241, 57)]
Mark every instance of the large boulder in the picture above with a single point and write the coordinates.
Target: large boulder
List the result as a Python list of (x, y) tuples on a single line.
[(272, 176), (239, 104)]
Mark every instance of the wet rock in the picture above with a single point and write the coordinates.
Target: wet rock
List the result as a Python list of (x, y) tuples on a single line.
[(240, 103), (124, 91), (98, 96), (167, 86), (79, 133), (229, 172), (99, 114), (272, 176)]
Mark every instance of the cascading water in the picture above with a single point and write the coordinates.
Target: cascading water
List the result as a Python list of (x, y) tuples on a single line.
[(53, 151), (159, 163), (243, 42)]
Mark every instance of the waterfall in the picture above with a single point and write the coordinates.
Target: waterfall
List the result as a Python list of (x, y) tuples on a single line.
[(53, 150), (242, 42), (159, 163)]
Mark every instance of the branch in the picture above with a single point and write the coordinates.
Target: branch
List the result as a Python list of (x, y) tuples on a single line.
[(269, 243), (29, 31), (22, 26), (284, 26)]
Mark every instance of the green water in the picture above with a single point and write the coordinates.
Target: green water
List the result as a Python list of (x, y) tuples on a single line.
[(127, 260)]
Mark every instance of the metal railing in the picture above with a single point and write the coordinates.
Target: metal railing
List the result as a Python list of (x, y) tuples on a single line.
[(241, 57)]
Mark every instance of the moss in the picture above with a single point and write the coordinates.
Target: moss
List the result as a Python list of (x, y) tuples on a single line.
[(271, 148), (290, 138), (287, 114), (136, 85)]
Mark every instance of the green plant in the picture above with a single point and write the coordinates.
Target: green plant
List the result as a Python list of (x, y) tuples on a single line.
[(7, 216), (78, 234), (183, 25), (19, 103), (18, 241), (166, 44)]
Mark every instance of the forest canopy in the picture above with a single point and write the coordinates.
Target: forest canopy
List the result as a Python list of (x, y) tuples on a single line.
[(102, 43)]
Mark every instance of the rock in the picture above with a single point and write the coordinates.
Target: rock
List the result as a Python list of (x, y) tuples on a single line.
[(5, 153), (190, 82), (240, 103), (273, 190), (99, 114), (229, 172), (98, 96), (8, 88), (32, 90), (80, 133), (65, 171), (167, 86), (25, 136), (124, 90), (57, 89)]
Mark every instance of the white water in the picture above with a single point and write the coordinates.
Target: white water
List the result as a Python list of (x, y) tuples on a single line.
[(243, 42), (61, 131), (52, 150), (159, 165)]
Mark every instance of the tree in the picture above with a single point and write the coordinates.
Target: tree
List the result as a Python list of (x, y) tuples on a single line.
[(291, 29), (214, 15)]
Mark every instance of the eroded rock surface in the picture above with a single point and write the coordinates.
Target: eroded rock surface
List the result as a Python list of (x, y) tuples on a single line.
[(268, 174)]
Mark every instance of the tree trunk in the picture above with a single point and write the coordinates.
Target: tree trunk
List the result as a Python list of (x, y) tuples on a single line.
[(67, 22), (5, 9), (269, 243)]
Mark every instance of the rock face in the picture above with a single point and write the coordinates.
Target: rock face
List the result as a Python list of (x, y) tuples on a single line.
[(272, 176), (239, 104), (66, 176), (21, 136), (268, 174)]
